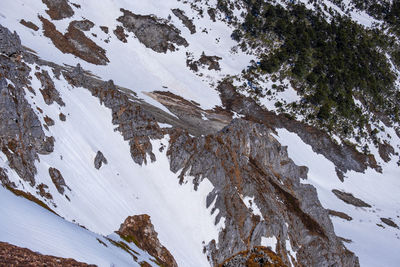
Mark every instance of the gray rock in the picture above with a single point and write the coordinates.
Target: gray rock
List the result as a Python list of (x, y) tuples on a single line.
[(10, 43), (99, 160), (185, 20), (58, 180), (154, 33)]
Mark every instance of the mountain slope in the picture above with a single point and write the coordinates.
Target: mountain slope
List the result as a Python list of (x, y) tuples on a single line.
[(186, 135)]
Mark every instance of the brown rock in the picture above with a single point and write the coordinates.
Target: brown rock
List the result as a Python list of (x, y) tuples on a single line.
[(389, 222), (29, 24), (58, 180), (139, 230), (75, 42), (120, 33), (11, 255), (350, 199), (340, 215), (58, 9), (49, 121)]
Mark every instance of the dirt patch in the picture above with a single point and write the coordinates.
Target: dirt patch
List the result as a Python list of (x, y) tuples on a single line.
[(29, 24), (154, 33), (11, 255), (350, 199), (58, 9), (75, 42)]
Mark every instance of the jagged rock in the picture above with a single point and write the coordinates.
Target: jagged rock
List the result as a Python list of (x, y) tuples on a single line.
[(340, 215), (389, 222), (58, 9), (139, 230), (345, 157), (120, 33), (152, 32), (49, 121), (62, 117), (10, 43), (185, 20), (83, 25), (48, 90), (29, 24), (99, 160), (58, 180), (256, 257), (21, 133), (43, 191), (245, 160), (11, 255), (350, 199), (75, 42), (210, 61), (385, 151), (104, 29)]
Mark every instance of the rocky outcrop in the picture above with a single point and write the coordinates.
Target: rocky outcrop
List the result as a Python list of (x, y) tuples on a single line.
[(340, 215), (58, 180), (11, 255), (245, 160), (154, 33), (212, 62), (48, 90), (21, 134), (99, 160), (58, 9), (10, 43), (185, 20), (75, 42), (389, 222), (83, 25), (120, 34), (344, 156), (29, 24), (139, 230), (350, 199), (256, 257)]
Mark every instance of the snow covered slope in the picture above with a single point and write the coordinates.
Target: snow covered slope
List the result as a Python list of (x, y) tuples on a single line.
[(169, 147)]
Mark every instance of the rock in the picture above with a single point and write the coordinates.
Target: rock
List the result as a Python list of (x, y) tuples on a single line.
[(154, 33), (104, 29), (139, 230), (209, 61), (75, 42), (62, 117), (82, 25), (58, 9), (99, 160), (257, 257), (49, 121), (58, 180), (185, 20), (350, 199), (48, 90), (10, 43), (389, 222), (43, 191), (120, 33), (340, 215), (29, 25), (11, 255)]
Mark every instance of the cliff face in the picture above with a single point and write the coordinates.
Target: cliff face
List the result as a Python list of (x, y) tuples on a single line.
[(127, 135)]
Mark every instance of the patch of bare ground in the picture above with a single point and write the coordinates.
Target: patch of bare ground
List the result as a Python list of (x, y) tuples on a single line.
[(11, 255), (58, 9), (75, 42), (29, 24)]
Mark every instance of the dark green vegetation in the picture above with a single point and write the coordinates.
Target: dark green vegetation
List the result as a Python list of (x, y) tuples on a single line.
[(330, 62)]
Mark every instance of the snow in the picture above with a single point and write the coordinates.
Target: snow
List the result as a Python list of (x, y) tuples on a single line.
[(250, 204), (25, 224), (269, 242), (132, 65), (373, 245), (102, 199)]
